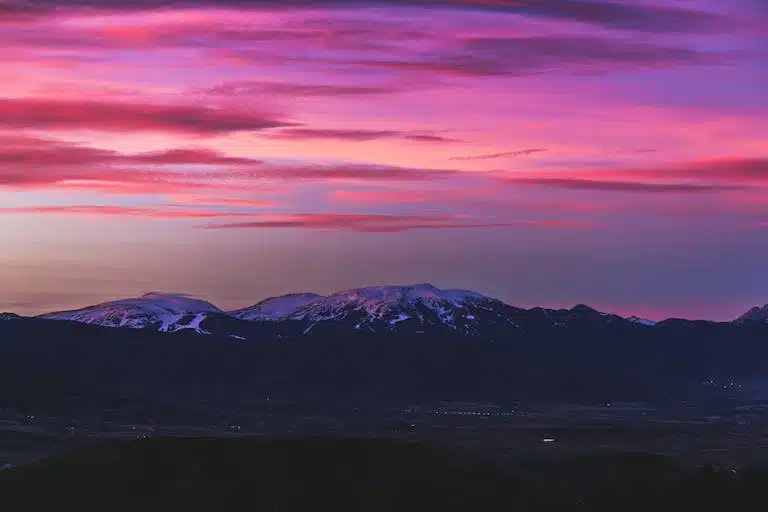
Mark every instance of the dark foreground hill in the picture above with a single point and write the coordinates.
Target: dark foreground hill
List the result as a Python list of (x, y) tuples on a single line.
[(45, 363), (358, 474)]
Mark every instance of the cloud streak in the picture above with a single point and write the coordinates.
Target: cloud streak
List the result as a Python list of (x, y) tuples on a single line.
[(529, 56), (296, 89), (30, 164), (494, 156), (373, 223), (623, 186), (356, 135), (101, 211), (702, 176), (750, 170), (122, 117), (362, 223), (609, 13)]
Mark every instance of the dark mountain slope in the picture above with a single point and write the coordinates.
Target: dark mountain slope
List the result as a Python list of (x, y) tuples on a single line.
[(44, 361)]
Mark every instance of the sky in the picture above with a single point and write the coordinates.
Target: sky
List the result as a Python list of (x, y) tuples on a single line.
[(543, 152)]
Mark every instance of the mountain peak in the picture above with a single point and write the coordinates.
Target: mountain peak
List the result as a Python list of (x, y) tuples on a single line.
[(583, 308), (276, 308), (387, 307), (151, 309), (756, 314)]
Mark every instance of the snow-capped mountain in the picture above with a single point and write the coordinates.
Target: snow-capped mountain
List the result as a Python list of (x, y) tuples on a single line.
[(641, 321), (400, 307), (276, 308), (9, 316), (165, 312), (756, 314), (420, 309)]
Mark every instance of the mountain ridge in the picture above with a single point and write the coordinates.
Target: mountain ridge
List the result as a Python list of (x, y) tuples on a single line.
[(756, 314), (392, 308), (508, 354)]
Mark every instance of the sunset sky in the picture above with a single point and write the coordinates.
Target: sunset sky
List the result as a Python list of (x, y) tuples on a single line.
[(544, 152)]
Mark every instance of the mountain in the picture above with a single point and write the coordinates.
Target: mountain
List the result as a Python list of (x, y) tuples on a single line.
[(9, 316), (756, 314), (164, 312), (402, 308), (403, 311), (276, 308), (419, 309), (385, 345), (575, 355), (579, 315)]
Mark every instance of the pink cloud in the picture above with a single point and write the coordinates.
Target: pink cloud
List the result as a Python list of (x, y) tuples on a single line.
[(347, 172), (51, 114), (494, 156), (703, 176), (196, 156), (367, 223), (358, 135), (431, 196), (622, 186), (293, 89), (224, 201), (609, 13), (731, 170), (28, 163), (372, 223), (98, 211)]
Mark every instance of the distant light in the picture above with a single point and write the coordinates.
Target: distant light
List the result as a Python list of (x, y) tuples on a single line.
[(548, 440)]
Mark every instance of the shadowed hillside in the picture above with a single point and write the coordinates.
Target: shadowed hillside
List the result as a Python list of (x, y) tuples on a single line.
[(44, 362)]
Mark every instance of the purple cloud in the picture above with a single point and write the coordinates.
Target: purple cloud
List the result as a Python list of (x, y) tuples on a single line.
[(622, 186), (609, 13), (355, 135), (248, 88), (111, 116)]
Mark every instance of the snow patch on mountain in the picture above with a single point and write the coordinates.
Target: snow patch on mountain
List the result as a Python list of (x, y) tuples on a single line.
[(162, 311), (276, 308), (641, 321), (9, 316), (185, 322)]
